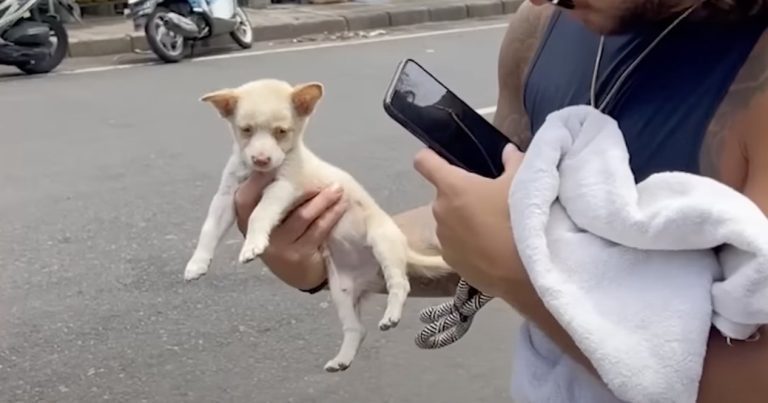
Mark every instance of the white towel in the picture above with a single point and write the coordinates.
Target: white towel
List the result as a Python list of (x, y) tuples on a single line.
[(629, 270)]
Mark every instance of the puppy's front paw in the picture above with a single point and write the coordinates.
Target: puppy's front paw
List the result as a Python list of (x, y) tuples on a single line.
[(253, 248), (196, 268), (336, 365)]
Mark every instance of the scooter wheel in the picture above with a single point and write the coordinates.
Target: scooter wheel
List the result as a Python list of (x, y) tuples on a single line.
[(166, 44), (58, 52), (243, 33)]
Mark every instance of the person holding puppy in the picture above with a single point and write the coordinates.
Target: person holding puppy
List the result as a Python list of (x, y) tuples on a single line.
[(695, 102)]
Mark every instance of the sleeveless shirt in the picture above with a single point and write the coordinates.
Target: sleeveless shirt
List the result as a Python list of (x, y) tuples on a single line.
[(666, 104)]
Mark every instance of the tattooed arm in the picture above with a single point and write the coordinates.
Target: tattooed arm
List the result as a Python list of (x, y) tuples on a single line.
[(738, 373), (517, 50)]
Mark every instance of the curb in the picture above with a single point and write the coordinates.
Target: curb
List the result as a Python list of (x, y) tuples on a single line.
[(318, 20)]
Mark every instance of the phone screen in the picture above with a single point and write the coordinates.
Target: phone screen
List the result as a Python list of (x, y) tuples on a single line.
[(445, 123)]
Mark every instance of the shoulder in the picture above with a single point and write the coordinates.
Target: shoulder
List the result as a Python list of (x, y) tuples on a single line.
[(752, 80), (754, 125), (524, 32), (749, 94), (734, 128)]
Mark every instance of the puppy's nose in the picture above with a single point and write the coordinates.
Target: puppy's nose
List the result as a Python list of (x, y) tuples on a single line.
[(261, 161)]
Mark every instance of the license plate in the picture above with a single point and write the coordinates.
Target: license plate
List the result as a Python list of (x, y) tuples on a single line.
[(142, 10), (140, 7)]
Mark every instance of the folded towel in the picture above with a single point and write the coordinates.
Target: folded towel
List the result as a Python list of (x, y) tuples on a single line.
[(636, 273)]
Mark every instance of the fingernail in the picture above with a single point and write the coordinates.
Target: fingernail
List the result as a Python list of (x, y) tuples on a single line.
[(335, 188), (507, 152)]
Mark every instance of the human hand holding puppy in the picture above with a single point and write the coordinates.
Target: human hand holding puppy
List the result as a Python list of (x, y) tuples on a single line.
[(293, 254)]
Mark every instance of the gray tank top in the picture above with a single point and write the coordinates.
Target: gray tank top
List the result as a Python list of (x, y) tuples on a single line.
[(665, 106)]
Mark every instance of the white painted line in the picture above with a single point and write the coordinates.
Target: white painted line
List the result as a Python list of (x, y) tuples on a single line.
[(350, 43), (487, 111), (100, 68), (292, 49)]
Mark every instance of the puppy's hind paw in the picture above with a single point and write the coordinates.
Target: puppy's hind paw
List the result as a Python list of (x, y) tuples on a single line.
[(253, 248), (389, 322), (336, 365), (196, 268)]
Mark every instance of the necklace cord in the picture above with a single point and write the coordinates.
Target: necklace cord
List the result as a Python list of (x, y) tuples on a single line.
[(614, 89)]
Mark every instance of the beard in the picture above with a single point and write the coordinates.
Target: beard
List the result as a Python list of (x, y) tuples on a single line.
[(632, 15)]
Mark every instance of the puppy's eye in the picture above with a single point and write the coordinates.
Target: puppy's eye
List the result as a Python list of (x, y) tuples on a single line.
[(280, 132), (246, 130)]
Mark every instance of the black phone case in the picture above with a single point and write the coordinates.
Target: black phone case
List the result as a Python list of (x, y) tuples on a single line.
[(414, 130)]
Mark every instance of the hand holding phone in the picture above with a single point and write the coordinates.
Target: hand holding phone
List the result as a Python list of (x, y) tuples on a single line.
[(443, 122)]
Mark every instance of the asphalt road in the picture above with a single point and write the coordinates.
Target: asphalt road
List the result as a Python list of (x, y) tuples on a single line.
[(105, 180)]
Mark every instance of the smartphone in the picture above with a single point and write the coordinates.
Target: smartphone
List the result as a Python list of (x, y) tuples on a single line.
[(443, 122)]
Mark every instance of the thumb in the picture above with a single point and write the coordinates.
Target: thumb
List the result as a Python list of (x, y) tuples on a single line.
[(511, 157), (432, 166), (260, 180)]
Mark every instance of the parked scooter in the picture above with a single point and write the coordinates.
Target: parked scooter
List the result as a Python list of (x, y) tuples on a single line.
[(32, 37), (171, 25)]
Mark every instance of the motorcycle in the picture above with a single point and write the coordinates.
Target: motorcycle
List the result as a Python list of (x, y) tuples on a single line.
[(171, 25), (32, 36)]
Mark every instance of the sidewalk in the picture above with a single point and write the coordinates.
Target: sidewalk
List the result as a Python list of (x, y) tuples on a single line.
[(114, 35)]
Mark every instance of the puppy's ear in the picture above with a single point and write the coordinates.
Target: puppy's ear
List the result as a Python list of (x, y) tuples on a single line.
[(225, 101), (305, 98)]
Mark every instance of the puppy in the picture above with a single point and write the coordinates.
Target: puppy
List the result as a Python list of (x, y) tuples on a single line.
[(268, 119)]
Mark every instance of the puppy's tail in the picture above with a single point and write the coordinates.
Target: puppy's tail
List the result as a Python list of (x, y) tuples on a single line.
[(427, 266)]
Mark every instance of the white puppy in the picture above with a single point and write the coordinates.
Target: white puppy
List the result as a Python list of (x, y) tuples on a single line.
[(268, 119)]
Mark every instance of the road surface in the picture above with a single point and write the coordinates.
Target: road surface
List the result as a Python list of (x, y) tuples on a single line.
[(106, 176)]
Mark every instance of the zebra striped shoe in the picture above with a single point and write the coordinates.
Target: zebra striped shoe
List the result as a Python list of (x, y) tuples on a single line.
[(447, 323)]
